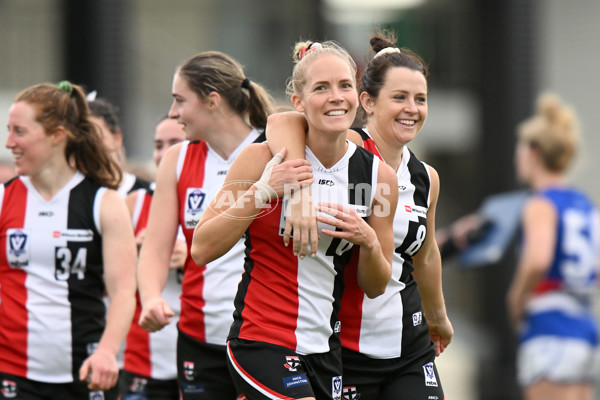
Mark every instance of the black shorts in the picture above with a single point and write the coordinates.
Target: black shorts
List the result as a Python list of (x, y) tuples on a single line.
[(16, 387), (202, 370), (138, 387), (267, 371), (411, 377)]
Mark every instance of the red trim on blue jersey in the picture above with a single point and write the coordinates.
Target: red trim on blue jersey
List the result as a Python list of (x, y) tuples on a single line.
[(13, 311)]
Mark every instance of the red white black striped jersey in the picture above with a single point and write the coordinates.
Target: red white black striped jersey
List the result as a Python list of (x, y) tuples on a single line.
[(153, 354), (51, 279), (291, 302), (207, 291), (393, 323)]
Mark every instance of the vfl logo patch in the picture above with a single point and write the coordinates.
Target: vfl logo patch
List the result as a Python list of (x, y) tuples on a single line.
[(336, 388), (188, 370), (350, 393), (417, 318), (193, 207), (337, 328), (9, 389), (430, 379), (98, 395), (292, 363), (17, 247)]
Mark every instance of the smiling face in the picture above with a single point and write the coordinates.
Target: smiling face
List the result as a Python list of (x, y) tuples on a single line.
[(400, 110), (31, 147), (329, 99), (188, 109)]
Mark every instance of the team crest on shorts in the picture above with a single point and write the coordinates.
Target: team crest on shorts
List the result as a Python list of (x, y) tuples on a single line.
[(138, 385), (430, 379), (9, 389), (17, 248), (350, 393), (188, 370), (292, 363), (336, 388)]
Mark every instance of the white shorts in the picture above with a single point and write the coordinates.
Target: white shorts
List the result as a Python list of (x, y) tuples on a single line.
[(557, 359)]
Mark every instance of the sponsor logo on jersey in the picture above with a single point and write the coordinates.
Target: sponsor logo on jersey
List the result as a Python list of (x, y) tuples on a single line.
[(326, 182), (222, 172), (188, 370), (350, 393), (17, 248), (75, 235), (292, 363), (417, 318), (336, 388), (422, 211), (9, 389), (430, 379), (296, 380), (45, 214)]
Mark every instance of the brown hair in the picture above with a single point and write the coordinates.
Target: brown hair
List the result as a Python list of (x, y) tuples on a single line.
[(66, 106), (213, 71), (553, 131)]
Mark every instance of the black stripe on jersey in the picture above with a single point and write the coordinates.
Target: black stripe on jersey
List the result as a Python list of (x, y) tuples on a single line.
[(261, 138), (420, 179), (360, 186), (139, 184), (362, 133), (360, 172), (86, 294)]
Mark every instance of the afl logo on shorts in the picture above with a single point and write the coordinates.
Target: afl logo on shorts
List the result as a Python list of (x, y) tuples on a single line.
[(17, 248)]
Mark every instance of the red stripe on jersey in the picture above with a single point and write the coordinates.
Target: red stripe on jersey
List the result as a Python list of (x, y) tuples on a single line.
[(137, 350), (270, 311), (351, 306), (13, 300), (142, 221), (369, 144), (192, 302)]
